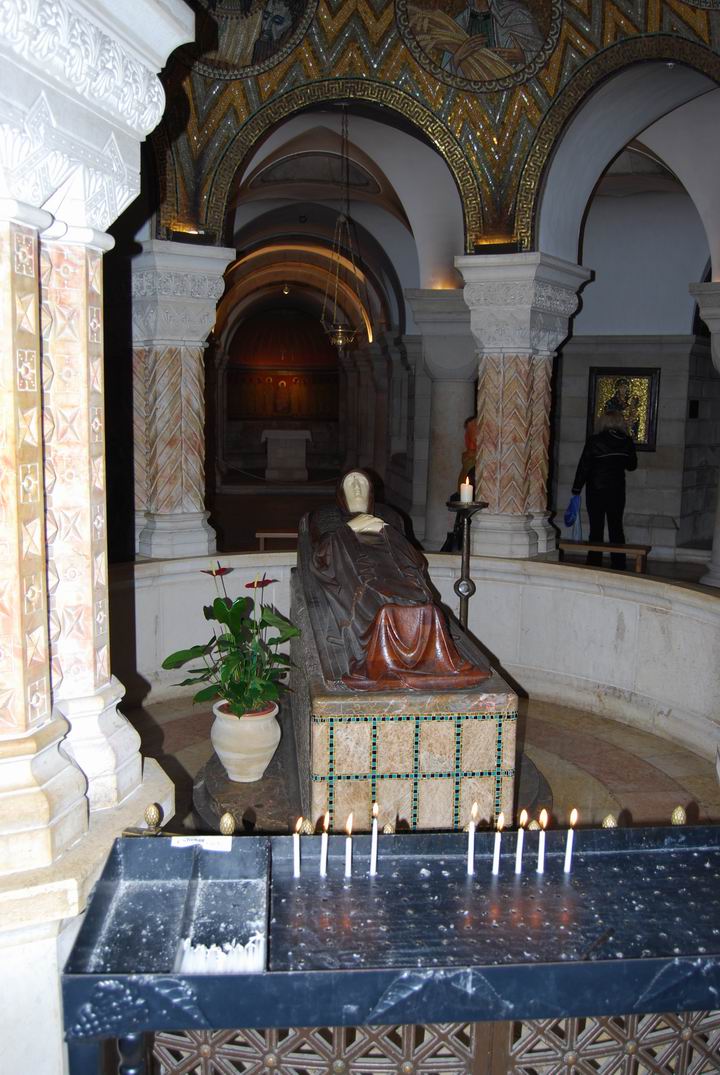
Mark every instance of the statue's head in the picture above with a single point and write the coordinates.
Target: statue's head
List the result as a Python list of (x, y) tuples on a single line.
[(355, 492)]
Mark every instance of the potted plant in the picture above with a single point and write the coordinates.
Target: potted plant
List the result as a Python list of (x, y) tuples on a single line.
[(242, 667)]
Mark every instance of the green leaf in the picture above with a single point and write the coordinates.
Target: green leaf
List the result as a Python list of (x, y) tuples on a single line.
[(213, 691), (181, 656), (270, 618)]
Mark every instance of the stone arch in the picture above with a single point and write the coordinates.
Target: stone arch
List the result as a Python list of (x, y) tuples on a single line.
[(221, 185), (633, 67)]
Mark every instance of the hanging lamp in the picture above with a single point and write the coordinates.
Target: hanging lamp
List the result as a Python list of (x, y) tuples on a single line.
[(346, 268)]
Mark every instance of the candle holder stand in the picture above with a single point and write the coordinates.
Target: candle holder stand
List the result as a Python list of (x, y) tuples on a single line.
[(421, 942), (464, 587)]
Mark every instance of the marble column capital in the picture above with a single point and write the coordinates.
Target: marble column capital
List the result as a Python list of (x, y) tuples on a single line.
[(80, 92), (707, 296), (449, 348), (175, 291), (520, 303)]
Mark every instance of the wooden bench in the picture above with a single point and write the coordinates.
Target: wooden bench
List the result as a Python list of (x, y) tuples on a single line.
[(262, 536), (637, 552)]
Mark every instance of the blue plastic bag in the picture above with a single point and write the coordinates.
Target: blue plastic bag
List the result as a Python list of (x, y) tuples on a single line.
[(572, 512)]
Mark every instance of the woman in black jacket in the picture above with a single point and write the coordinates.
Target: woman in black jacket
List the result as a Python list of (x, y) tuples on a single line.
[(605, 458)]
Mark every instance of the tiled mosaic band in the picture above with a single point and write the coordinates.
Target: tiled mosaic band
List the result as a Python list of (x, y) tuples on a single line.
[(457, 758)]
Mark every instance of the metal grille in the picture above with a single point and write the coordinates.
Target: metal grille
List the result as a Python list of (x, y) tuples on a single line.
[(442, 1049), (686, 1044)]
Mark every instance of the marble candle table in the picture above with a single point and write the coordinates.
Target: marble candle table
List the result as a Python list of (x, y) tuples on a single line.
[(633, 928)]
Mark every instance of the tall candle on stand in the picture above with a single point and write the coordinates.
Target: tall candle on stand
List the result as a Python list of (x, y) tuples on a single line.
[(296, 848), (522, 822), (348, 846), (373, 841), (541, 842), (466, 491), (324, 846), (496, 848), (569, 841), (471, 839)]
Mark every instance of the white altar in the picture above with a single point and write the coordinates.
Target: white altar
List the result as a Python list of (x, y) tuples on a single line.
[(286, 450)]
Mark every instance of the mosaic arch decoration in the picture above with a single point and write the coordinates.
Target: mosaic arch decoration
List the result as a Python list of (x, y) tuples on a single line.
[(480, 45), (609, 62), (280, 108), (239, 38)]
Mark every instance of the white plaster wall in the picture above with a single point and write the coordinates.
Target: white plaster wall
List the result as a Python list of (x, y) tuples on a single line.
[(644, 249), (634, 649), (420, 177)]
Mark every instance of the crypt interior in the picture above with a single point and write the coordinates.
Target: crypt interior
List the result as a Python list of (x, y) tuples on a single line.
[(195, 198)]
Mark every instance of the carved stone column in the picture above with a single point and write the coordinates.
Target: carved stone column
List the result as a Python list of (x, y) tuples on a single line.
[(707, 297), (175, 290), (349, 407), (381, 368), (42, 794), (520, 309), (85, 692), (450, 360)]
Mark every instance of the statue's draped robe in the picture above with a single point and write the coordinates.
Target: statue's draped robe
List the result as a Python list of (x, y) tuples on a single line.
[(382, 609)]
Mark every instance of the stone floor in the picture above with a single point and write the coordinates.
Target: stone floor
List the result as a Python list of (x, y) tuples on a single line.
[(598, 766)]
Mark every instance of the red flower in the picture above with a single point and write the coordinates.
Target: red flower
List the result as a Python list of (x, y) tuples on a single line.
[(216, 571), (259, 584)]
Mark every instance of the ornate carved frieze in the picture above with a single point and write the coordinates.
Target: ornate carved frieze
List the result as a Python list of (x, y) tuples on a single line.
[(60, 41)]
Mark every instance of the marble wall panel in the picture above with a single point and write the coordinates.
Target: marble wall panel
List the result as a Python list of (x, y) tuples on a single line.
[(352, 747), (437, 746), (435, 804), (395, 746)]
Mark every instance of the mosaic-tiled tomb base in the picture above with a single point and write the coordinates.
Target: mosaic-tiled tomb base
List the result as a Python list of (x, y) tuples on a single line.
[(424, 758)]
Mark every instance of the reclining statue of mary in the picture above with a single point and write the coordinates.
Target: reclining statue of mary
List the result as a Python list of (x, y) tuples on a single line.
[(376, 622)]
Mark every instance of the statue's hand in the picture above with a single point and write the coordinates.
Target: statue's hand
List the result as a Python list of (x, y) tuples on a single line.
[(366, 524)]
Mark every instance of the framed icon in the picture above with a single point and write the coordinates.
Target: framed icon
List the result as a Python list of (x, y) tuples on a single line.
[(629, 393)]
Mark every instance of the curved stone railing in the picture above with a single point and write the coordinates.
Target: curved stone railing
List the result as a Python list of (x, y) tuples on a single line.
[(632, 648)]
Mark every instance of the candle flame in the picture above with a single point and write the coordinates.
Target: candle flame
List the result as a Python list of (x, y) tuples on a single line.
[(326, 821), (474, 813), (467, 480), (348, 824), (375, 809), (573, 818), (543, 818), (523, 819), (500, 821), (298, 825)]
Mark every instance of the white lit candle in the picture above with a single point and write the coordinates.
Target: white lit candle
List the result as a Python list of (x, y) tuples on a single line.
[(466, 491), (541, 842), (522, 822), (348, 846), (471, 839), (324, 846), (373, 841), (496, 848), (569, 841), (296, 848)]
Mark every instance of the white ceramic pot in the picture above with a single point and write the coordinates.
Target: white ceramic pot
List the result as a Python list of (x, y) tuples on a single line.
[(245, 744)]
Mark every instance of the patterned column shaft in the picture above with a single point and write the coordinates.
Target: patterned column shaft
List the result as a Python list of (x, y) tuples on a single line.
[(505, 384), (75, 467), (140, 435), (101, 740), (539, 435), (175, 381), (24, 675)]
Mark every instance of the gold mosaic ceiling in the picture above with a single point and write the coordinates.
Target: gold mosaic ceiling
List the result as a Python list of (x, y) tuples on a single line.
[(493, 112)]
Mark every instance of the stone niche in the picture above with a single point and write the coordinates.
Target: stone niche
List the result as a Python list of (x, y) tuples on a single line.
[(424, 758)]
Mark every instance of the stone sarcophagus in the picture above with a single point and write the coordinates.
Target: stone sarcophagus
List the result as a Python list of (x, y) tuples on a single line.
[(392, 701)]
